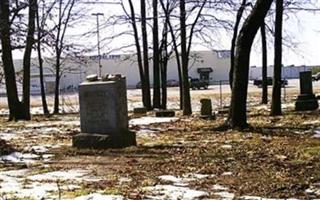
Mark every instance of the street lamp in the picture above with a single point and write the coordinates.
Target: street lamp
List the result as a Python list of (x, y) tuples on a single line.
[(98, 38)]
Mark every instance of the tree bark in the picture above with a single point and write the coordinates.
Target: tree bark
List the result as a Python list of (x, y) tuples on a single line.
[(234, 40), (276, 92), (8, 67), (138, 48), (42, 87), (175, 47), (164, 66), (27, 58), (156, 58), (187, 110), (237, 114), (145, 56), (264, 99)]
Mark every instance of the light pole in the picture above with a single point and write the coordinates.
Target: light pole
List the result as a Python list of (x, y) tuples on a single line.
[(98, 38)]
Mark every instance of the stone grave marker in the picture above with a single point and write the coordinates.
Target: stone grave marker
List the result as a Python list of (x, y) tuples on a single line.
[(104, 115), (306, 100), (206, 109)]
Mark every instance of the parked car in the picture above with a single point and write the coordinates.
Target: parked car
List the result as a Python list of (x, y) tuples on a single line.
[(172, 83), (316, 76), (258, 82), (196, 83)]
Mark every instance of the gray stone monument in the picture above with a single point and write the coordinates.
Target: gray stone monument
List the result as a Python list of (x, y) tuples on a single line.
[(104, 115), (206, 109), (306, 100)]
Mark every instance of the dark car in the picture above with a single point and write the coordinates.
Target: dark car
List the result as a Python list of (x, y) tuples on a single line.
[(196, 83), (258, 82), (172, 83)]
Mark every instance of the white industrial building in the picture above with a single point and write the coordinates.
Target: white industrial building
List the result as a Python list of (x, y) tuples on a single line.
[(213, 65), (288, 72)]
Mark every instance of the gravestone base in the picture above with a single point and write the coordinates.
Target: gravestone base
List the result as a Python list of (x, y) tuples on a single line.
[(103, 141), (208, 117), (165, 113), (307, 102), (140, 111)]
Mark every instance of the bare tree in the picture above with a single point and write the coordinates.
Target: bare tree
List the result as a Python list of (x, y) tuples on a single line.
[(234, 39), (264, 64), (146, 75), (237, 114), (64, 17), (19, 110)]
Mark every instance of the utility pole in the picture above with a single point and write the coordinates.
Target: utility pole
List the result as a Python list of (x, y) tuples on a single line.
[(98, 38)]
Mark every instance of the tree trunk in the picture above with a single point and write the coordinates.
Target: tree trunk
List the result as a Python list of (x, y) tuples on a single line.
[(237, 114), (234, 40), (138, 48), (164, 66), (42, 87), (175, 47), (276, 92), (17, 110), (264, 65), (184, 57), (57, 86), (145, 56), (156, 57), (27, 58)]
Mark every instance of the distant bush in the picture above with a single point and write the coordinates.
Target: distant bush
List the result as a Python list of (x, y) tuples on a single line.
[(315, 70)]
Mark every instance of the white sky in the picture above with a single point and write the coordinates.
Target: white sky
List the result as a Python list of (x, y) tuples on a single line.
[(304, 29)]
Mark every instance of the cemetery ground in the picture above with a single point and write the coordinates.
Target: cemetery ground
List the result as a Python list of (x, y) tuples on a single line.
[(175, 158)]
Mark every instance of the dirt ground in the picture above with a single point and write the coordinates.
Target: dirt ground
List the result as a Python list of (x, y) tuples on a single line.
[(183, 158)]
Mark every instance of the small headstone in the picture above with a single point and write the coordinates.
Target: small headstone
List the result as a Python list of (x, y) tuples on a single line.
[(104, 116), (206, 109), (140, 111), (306, 100), (165, 113), (92, 78)]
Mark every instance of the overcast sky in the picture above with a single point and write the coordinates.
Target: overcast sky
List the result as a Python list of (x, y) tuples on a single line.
[(303, 29)]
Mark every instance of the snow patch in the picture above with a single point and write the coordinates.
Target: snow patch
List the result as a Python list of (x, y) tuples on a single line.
[(225, 195), (184, 180), (219, 187), (17, 157), (76, 175), (8, 136), (97, 196), (316, 133), (151, 120), (163, 192)]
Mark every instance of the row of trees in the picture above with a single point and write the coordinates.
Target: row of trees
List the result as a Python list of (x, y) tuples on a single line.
[(171, 25), (33, 25)]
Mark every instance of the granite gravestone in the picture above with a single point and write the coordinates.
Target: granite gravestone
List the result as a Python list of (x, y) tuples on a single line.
[(206, 109), (104, 115), (306, 100)]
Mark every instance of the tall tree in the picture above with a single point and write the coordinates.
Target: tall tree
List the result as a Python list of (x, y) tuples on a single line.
[(167, 12), (264, 99), (234, 39), (237, 114), (19, 110), (156, 58), (187, 110), (40, 27), (276, 92), (64, 16), (145, 56)]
